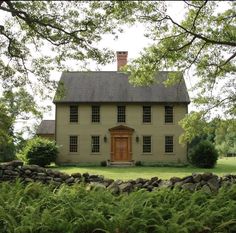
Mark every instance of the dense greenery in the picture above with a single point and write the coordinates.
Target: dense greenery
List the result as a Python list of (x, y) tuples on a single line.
[(7, 147), (203, 155), (42, 209), (225, 137), (39, 151)]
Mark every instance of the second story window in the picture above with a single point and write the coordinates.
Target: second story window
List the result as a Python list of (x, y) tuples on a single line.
[(95, 144), (96, 114), (73, 113), (120, 113), (147, 144), (147, 114), (168, 114)]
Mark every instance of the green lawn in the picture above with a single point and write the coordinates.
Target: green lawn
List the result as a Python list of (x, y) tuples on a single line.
[(224, 166)]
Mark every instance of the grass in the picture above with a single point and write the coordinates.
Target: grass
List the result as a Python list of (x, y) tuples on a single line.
[(224, 166)]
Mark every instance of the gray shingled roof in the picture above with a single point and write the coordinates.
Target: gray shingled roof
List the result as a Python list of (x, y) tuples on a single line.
[(46, 127), (113, 86)]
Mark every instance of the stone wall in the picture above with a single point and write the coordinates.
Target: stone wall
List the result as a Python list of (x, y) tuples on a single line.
[(207, 182)]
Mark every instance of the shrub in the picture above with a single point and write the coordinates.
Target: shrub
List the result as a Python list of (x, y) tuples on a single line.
[(39, 151), (203, 155), (138, 163), (7, 152), (103, 163)]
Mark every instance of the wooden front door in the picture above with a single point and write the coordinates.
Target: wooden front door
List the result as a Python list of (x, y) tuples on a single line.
[(121, 152), (121, 143)]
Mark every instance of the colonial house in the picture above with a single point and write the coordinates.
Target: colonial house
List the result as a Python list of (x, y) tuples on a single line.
[(102, 117)]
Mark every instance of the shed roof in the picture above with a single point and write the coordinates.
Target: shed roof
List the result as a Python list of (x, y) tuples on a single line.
[(46, 127), (114, 86)]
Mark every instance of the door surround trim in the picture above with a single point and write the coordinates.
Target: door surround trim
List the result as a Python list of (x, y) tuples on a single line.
[(119, 132)]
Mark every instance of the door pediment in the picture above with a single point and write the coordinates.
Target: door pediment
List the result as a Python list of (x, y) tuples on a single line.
[(121, 128)]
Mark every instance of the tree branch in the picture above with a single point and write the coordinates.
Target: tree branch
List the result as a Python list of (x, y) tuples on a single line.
[(229, 59), (196, 57), (198, 12), (185, 45), (201, 36), (30, 20)]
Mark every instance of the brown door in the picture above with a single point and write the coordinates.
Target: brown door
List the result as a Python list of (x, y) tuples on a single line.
[(121, 149)]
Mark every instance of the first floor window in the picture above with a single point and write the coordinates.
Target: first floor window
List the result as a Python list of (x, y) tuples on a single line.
[(147, 144), (73, 113), (73, 143), (169, 144), (95, 144)]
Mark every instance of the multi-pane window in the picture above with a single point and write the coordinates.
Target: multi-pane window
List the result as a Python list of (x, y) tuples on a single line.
[(95, 144), (147, 144), (169, 144), (120, 113), (73, 113), (95, 113), (168, 114), (73, 143), (147, 114)]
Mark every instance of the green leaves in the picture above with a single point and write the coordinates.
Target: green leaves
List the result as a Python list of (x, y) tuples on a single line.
[(38, 208), (203, 44), (39, 151)]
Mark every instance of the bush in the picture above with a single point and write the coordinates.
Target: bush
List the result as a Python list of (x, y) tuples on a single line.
[(39, 151), (138, 163), (203, 155), (7, 152), (103, 163)]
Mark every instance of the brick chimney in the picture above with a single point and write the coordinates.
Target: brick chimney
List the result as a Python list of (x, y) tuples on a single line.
[(121, 59)]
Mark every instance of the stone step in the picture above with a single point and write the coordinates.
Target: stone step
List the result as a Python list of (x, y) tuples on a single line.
[(120, 164)]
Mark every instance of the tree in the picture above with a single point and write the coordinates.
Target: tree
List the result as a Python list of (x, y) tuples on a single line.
[(204, 42), (70, 30), (225, 139), (7, 149)]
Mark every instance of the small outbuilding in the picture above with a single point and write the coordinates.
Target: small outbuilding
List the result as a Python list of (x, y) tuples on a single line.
[(46, 129)]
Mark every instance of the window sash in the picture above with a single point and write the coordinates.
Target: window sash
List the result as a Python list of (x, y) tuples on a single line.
[(73, 143), (147, 114), (96, 114), (169, 144), (121, 114), (73, 113), (95, 144), (147, 144), (168, 114)]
